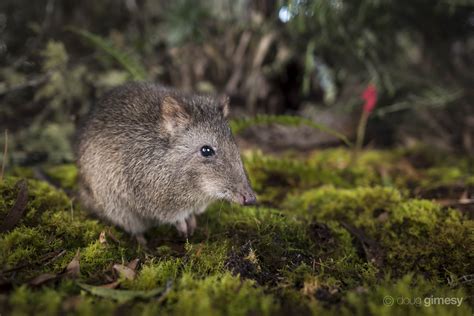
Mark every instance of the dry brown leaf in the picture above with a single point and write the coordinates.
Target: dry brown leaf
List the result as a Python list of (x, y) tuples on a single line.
[(125, 271), (133, 264), (102, 238), (42, 278), (73, 269)]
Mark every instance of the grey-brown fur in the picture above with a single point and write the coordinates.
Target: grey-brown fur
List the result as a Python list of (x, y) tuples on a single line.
[(139, 160)]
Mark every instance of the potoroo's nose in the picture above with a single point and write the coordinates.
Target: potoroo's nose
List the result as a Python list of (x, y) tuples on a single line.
[(249, 198)]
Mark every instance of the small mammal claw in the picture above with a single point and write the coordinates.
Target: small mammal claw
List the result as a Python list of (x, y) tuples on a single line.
[(191, 224), (182, 228), (186, 227)]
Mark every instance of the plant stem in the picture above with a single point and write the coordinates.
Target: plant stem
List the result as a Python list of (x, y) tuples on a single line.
[(360, 134), (4, 158)]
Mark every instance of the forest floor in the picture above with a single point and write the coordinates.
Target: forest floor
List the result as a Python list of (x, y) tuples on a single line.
[(389, 233)]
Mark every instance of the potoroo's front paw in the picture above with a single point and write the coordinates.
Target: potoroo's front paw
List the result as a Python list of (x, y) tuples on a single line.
[(191, 223), (186, 227)]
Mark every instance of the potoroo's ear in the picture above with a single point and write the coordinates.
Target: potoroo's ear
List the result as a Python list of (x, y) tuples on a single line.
[(223, 104), (173, 115)]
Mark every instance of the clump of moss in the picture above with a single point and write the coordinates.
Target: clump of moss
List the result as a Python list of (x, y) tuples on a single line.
[(156, 273), (52, 224), (26, 301), (41, 198), (416, 235), (64, 175), (271, 177), (334, 236), (97, 257), (274, 239), (21, 245), (206, 258), (274, 177), (222, 294), (408, 295), (356, 205), (421, 237)]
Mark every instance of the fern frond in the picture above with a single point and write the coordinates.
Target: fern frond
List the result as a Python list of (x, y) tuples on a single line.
[(133, 66), (238, 125)]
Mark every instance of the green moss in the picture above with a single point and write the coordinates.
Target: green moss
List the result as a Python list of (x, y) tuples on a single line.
[(52, 224), (406, 296), (90, 306), (97, 257), (424, 214), (331, 230), (155, 274), (274, 177), (417, 235), (219, 295), (28, 302), (275, 238), (205, 259), (356, 205), (41, 197), (23, 244), (64, 175), (271, 177), (380, 167), (21, 172), (436, 247)]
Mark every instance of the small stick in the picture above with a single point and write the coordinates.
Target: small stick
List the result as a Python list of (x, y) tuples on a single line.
[(5, 151)]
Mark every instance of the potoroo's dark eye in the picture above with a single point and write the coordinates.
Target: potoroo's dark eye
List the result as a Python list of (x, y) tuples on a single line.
[(207, 151)]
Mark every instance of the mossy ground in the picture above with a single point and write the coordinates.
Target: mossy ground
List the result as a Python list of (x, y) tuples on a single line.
[(331, 236)]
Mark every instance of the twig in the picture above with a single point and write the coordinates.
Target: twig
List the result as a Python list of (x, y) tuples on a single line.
[(49, 257), (373, 251), (16, 212), (360, 135), (56, 257), (5, 151)]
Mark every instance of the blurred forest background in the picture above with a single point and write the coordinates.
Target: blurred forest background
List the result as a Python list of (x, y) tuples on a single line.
[(311, 58)]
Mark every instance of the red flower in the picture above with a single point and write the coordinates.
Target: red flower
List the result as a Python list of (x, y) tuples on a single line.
[(370, 97)]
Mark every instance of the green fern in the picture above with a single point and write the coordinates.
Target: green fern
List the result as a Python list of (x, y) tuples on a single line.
[(238, 125), (133, 66)]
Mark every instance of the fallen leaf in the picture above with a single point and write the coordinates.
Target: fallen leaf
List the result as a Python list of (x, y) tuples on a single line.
[(42, 278), (124, 271), (102, 238), (121, 296), (133, 264), (16, 212), (73, 269)]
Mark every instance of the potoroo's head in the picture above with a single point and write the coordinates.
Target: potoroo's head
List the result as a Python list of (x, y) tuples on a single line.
[(201, 146)]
